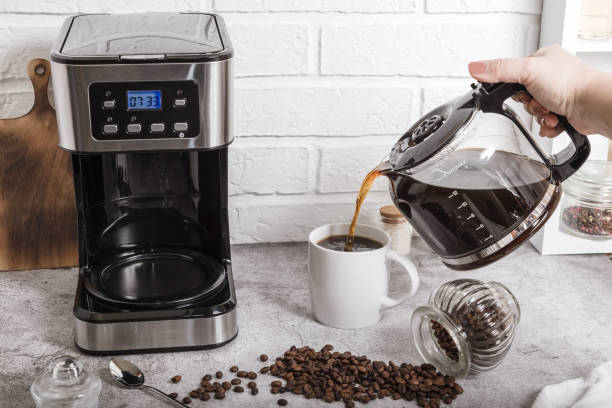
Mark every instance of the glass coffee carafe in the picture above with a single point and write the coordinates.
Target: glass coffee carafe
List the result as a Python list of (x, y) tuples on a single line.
[(473, 192)]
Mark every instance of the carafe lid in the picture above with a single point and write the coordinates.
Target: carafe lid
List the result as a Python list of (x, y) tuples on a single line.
[(435, 134)]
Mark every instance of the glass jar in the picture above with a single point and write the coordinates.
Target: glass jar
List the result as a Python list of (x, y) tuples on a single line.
[(66, 384), (467, 326), (392, 221), (586, 206), (595, 20)]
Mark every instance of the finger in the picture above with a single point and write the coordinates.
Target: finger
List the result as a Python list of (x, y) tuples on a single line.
[(522, 97), (550, 132), (550, 120), (529, 108), (498, 70), (537, 108)]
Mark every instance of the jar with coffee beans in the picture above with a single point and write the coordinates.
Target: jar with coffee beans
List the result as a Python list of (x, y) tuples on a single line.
[(466, 327)]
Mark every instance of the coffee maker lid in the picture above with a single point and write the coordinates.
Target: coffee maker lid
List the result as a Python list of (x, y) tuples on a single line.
[(143, 37)]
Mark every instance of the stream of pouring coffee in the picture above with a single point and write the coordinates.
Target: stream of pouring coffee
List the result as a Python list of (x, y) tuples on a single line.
[(366, 184)]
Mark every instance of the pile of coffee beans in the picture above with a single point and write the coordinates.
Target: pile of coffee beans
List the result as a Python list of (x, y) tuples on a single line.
[(333, 376)]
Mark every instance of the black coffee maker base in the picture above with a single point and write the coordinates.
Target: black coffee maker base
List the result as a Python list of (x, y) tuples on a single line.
[(102, 328)]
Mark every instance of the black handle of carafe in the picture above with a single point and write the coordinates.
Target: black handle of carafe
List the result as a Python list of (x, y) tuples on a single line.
[(563, 164)]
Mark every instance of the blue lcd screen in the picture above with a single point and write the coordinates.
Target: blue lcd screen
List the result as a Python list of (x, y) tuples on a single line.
[(144, 100)]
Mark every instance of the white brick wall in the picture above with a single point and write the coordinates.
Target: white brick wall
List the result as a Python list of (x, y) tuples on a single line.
[(322, 89)]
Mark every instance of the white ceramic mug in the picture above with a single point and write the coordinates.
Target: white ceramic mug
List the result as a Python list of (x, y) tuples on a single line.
[(348, 290)]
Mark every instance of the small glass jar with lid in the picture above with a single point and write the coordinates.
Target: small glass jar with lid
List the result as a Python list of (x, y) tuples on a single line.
[(466, 327), (66, 384), (586, 206), (400, 230)]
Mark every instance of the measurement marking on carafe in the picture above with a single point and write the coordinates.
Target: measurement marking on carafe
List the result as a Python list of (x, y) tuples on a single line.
[(453, 194), (489, 237), (479, 227), (462, 205), (469, 217)]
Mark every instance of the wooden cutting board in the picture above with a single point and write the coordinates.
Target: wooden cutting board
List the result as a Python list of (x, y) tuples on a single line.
[(37, 210)]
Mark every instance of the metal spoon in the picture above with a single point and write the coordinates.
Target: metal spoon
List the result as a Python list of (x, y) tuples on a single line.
[(130, 376)]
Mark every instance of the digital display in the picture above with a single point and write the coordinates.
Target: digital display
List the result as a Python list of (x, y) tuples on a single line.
[(144, 100)]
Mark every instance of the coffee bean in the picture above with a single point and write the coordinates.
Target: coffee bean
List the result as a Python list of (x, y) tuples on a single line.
[(276, 383), (238, 388), (236, 381), (186, 400), (194, 394), (173, 395), (220, 395), (282, 402), (234, 369), (254, 390), (226, 384), (242, 374), (252, 384), (263, 358), (176, 379), (205, 396), (219, 374), (252, 375), (207, 377)]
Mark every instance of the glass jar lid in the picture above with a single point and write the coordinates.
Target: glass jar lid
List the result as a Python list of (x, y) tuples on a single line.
[(391, 215), (66, 381), (593, 182)]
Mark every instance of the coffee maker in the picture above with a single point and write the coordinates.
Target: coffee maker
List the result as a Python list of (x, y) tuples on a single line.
[(144, 106)]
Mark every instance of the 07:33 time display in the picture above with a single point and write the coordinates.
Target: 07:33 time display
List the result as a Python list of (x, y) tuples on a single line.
[(144, 100)]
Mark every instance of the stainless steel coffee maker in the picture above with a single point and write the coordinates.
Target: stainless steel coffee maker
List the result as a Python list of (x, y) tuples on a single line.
[(144, 106)]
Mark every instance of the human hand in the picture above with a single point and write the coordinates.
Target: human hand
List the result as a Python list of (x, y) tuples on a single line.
[(556, 81)]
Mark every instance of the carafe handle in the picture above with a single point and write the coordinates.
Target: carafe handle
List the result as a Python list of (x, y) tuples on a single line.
[(491, 98)]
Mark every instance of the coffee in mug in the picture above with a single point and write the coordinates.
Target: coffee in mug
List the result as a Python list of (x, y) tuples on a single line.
[(360, 244)]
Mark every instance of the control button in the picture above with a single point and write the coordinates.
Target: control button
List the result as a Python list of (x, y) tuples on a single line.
[(134, 128), (180, 126), (110, 129), (108, 104), (157, 127), (180, 102)]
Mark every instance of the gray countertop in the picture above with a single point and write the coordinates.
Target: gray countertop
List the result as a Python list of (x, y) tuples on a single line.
[(565, 328)]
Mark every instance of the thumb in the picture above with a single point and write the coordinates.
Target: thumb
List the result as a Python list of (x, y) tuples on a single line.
[(499, 70)]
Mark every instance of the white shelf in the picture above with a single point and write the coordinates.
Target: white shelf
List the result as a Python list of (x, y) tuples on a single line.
[(560, 26), (583, 45)]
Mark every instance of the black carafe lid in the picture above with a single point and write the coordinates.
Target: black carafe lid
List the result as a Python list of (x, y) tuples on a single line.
[(434, 133)]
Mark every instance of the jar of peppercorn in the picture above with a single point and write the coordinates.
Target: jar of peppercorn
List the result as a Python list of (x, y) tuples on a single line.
[(586, 206), (466, 327)]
